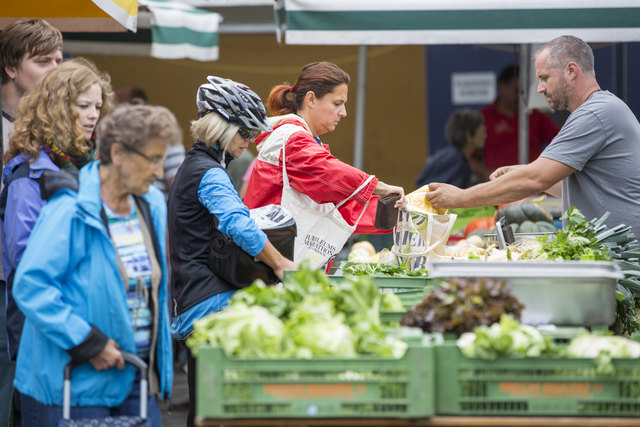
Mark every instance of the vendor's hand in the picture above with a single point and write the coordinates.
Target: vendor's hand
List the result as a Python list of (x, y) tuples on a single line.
[(444, 196), (285, 264), (108, 357), (502, 170)]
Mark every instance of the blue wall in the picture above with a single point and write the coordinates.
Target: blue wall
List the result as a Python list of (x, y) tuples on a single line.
[(617, 70)]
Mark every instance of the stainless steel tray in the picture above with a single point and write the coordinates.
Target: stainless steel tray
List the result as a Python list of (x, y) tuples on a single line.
[(568, 293), (492, 239)]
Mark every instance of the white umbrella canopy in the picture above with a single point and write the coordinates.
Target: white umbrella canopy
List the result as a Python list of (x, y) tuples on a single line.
[(383, 22), (386, 22)]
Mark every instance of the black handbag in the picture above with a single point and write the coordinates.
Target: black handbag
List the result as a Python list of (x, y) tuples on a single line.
[(237, 267)]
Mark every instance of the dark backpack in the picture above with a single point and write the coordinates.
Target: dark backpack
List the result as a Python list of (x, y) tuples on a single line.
[(50, 182)]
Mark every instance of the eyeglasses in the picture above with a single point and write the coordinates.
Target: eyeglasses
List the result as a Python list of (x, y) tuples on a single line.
[(248, 134), (155, 161)]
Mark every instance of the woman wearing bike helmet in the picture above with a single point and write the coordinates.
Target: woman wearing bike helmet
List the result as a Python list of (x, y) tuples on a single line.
[(203, 199), (313, 106)]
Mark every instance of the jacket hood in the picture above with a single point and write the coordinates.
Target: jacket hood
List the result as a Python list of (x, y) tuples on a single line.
[(277, 121)]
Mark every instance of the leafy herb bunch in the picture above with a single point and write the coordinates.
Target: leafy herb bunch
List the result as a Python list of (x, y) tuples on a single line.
[(578, 240), (392, 270)]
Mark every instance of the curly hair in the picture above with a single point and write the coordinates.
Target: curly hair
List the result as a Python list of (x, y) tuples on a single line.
[(47, 112)]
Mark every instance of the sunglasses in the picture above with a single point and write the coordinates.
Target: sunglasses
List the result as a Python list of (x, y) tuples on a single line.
[(248, 134)]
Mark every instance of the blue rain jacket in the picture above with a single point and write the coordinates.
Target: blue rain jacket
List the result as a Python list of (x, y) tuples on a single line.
[(67, 281)]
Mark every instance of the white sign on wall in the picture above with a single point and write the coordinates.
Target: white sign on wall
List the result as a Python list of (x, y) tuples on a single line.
[(473, 88)]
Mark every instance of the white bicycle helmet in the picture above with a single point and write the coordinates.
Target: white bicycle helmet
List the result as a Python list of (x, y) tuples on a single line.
[(233, 101)]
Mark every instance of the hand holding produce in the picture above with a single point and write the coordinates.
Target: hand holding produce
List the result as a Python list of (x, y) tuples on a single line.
[(417, 202)]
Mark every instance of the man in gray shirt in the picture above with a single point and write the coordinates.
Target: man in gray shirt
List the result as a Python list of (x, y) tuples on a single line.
[(592, 163)]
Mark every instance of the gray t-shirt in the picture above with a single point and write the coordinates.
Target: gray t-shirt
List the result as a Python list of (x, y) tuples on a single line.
[(601, 140)]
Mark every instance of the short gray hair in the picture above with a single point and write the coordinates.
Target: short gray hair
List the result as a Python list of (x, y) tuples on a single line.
[(134, 126), (565, 49)]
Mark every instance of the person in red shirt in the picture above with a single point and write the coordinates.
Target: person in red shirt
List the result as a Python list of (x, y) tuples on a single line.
[(501, 121)]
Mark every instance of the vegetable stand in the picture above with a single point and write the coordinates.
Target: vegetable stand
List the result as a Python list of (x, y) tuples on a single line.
[(437, 421), (324, 387), (453, 390)]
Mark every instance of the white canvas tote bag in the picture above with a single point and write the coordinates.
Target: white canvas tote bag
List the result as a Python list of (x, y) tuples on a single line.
[(321, 230)]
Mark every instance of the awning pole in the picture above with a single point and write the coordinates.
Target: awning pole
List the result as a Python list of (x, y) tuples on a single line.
[(361, 96), (523, 100)]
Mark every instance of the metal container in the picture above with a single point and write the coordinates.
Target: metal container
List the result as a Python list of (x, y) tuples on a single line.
[(492, 239), (567, 293)]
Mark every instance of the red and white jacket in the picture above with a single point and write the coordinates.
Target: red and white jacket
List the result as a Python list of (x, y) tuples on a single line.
[(313, 171)]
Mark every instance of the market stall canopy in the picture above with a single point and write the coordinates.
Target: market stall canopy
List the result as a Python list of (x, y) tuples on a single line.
[(179, 30), (375, 22), (74, 15), (174, 29), (425, 22)]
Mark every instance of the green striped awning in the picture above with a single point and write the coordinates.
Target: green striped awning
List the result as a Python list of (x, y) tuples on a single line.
[(375, 22), (182, 31)]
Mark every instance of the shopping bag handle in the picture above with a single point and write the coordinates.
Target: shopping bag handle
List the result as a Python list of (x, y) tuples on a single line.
[(129, 358)]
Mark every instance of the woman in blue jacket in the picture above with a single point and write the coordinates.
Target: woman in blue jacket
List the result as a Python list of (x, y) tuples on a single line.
[(203, 199), (92, 280)]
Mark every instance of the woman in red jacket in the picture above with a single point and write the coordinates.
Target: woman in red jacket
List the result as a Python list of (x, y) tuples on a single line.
[(313, 106)]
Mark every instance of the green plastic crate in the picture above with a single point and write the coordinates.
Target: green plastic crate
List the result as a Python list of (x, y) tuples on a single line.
[(410, 290), (324, 388), (392, 316), (533, 386)]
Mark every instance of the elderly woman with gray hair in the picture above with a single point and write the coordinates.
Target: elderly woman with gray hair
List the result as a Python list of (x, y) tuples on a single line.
[(92, 280)]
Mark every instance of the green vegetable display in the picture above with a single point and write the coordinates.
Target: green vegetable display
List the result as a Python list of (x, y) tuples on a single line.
[(307, 317), (592, 240), (391, 270), (506, 338), (602, 349), (509, 338), (461, 304)]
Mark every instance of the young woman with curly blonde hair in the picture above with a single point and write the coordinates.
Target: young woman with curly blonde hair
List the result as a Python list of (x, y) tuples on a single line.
[(54, 116), (53, 131)]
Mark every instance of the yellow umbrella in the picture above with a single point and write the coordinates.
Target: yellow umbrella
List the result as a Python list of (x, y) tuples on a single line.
[(75, 15)]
